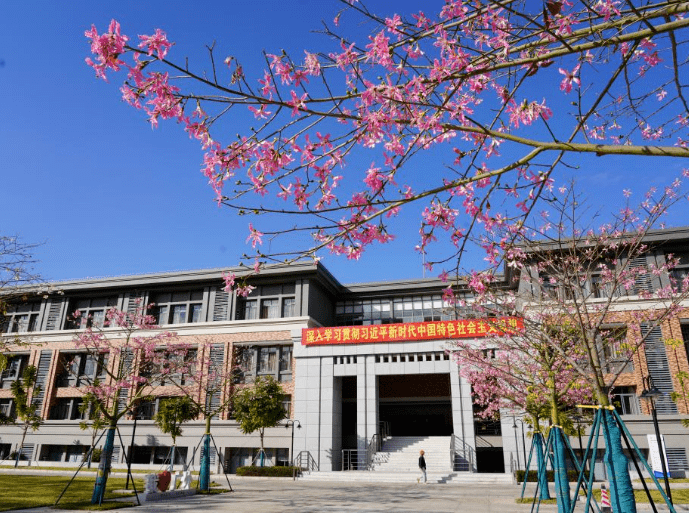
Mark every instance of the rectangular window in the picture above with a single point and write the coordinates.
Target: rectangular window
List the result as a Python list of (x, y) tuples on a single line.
[(270, 309), (287, 405), (91, 312), (20, 318), (615, 354), (179, 307), (267, 360), (626, 401), (13, 370), (67, 409), (6, 408), (289, 306), (251, 309), (80, 369)]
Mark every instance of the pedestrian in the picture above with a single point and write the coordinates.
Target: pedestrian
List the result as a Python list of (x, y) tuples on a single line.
[(422, 467)]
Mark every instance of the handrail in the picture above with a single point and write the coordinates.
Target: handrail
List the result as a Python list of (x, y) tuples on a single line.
[(306, 461), (459, 447), (373, 447)]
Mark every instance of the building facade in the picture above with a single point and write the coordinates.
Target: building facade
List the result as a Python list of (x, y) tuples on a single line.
[(356, 363)]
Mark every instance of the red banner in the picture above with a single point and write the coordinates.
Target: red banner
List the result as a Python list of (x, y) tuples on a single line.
[(407, 332)]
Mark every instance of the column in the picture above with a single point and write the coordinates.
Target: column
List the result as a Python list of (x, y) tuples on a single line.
[(463, 414)]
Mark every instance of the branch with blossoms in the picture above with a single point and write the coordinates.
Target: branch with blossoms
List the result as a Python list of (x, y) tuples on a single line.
[(128, 355), (503, 93), (584, 281)]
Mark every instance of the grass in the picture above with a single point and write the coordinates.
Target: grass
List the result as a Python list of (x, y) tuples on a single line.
[(20, 491), (672, 480), (94, 468)]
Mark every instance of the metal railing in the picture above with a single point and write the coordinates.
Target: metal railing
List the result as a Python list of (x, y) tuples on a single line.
[(305, 461), (462, 455), (356, 459), (384, 429)]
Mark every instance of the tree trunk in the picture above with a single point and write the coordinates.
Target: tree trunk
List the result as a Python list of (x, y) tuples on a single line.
[(104, 465), (542, 473), (205, 472), (621, 491), (21, 446), (263, 451)]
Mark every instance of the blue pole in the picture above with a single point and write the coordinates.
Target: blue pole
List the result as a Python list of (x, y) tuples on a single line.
[(205, 472), (560, 471), (104, 467), (542, 474), (621, 491)]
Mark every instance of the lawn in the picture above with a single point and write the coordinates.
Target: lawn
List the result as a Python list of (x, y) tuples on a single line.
[(679, 496), (20, 491)]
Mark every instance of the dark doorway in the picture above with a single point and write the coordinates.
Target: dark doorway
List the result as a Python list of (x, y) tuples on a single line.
[(490, 460), (416, 404)]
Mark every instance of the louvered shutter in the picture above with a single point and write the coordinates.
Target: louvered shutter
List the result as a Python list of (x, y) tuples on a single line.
[(222, 305), (659, 368), (127, 357), (41, 374)]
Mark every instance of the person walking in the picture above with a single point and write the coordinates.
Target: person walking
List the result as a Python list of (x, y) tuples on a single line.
[(422, 467)]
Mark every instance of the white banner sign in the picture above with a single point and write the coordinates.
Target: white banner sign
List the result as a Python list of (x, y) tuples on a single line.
[(654, 455)]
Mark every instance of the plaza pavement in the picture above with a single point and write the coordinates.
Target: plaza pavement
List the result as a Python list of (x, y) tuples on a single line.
[(254, 495)]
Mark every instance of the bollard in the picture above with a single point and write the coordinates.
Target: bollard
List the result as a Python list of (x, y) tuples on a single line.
[(605, 500)]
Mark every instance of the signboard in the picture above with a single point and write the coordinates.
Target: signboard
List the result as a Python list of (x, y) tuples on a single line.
[(406, 332), (654, 455)]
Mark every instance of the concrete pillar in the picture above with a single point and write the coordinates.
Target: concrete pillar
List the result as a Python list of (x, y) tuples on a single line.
[(366, 404), (462, 412)]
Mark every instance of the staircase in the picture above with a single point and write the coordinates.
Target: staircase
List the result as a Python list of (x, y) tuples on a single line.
[(398, 462), (401, 454)]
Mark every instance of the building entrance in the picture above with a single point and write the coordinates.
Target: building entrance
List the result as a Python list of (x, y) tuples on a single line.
[(416, 404)]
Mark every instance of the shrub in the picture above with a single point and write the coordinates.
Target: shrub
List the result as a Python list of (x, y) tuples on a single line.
[(95, 455), (572, 476), (267, 471)]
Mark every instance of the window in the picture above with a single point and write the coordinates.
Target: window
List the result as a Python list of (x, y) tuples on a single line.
[(6, 408), (179, 307), (548, 288), (13, 370), (681, 269), (287, 405), (393, 310), (91, 312), (79, 369), (270, 308), (685, 337), (289, 305), (67, 409), (268, 302), (612, 344), (275, 361), (146, 410), (625, 400), (599, 289), (20, 318)]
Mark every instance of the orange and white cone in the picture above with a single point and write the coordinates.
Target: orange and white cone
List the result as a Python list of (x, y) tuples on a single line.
[(605, 500)]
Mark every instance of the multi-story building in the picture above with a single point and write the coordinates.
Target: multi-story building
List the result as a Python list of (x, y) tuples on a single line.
[(356, 362)]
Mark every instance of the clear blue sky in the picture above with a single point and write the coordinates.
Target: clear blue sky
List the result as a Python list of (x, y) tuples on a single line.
[(84, 173)]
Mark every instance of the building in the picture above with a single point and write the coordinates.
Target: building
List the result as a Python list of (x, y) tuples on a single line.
[(356, 362)]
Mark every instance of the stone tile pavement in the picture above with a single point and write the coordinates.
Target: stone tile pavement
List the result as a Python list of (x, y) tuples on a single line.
[(254, 495)]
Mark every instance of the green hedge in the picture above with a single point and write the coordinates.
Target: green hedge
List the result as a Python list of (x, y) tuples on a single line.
[(267, 471), (572, 476)]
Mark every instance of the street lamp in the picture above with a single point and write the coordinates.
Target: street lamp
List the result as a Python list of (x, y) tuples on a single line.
[(516, 442), (291, 450), (523, 438), (578, 419), (652, 394)]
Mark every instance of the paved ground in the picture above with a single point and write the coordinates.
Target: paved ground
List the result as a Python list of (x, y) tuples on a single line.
[(252, 495)]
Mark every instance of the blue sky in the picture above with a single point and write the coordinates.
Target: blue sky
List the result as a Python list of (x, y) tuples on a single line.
[(85, 174)]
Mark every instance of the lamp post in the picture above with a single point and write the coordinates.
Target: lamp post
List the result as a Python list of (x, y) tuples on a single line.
[(291, 450), (516, 442), (651, 394), (523, 439), (578, 419), (135, 414)]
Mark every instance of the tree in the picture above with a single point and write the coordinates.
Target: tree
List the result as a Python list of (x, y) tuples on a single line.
[(27, 414), (576, 282), (200, 375), (503, 94), (131, 372), (16, 272), (516, 369), (172, 413), (95, 422), (259, 406)]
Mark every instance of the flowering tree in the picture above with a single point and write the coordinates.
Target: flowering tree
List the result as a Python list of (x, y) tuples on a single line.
[(518, 369), (128, 360), (502, 93), (577, 283), (93, 422), (199, 374)]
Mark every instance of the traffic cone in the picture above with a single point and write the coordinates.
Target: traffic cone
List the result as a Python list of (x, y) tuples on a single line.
[(605, 500)]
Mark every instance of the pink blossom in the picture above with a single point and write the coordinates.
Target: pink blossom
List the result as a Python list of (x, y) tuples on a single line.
[(570, 78), (107, 48), (156, 43)]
